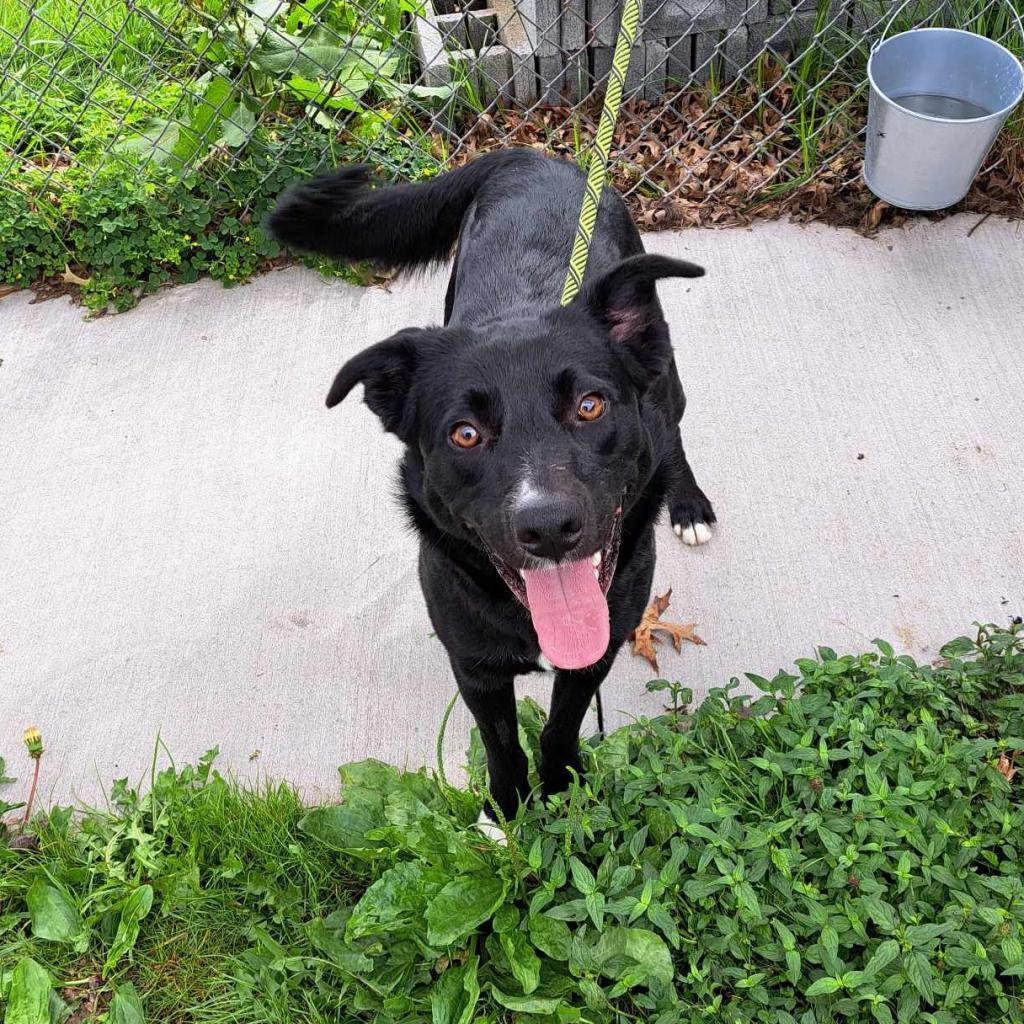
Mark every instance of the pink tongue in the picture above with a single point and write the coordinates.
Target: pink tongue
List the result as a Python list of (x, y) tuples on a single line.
[(569, 613)]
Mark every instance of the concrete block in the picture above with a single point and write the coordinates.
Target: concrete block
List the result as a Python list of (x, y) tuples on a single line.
[(603, 16), (542, 19), (678, 65), (464, 46), (655, 68), (685, 17), (601, 58), (706, 59), (549, 78), (573, 45), (518, 34), (735, 47), (430, 49), (784, 35)]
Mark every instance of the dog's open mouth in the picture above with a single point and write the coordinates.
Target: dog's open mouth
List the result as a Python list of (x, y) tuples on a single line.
[(567, 602)]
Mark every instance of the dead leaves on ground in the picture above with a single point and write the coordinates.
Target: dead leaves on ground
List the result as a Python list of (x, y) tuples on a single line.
[(645, 637), (700, 158), (1006, 767)]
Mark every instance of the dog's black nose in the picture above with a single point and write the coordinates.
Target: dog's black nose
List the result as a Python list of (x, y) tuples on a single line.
[(549, 527)]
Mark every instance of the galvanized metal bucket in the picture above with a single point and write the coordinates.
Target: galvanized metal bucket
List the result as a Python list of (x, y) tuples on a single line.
[(938, 99)]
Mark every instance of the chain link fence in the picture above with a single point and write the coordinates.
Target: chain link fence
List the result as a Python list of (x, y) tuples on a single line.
[(731, 105)]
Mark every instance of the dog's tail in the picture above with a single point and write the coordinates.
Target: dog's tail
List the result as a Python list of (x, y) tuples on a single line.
[(338, 214)]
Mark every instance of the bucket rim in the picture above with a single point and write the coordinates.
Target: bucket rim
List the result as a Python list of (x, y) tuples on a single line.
[(1002, 112)]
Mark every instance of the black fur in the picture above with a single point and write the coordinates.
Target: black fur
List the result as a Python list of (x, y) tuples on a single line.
[(514, 364)]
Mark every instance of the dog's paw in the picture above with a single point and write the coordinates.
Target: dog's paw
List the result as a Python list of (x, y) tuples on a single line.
[(692, 519), (491, 829), (692, 534)]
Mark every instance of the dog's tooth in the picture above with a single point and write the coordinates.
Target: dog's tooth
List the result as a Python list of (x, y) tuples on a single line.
[(677, 529), (595, 559)]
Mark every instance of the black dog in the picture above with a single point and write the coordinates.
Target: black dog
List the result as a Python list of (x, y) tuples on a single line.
[(541, 442)]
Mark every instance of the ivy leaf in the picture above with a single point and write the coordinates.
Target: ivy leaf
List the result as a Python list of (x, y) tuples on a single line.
[(920, 934), (830, 941), (880, 912), (54, 917), (28, 1001), (546, 1005), (524, 962), (550, 936), (886, 952), (133, 911), (582, 876), (823, 987), (237, 126), (881, 1013), (792, 966), (453, 999), (126, 1007), (345, 827), (461, 906), (203, 127), (621, 951), (660, 917), (920, 973), (336, 950), (595, 908)]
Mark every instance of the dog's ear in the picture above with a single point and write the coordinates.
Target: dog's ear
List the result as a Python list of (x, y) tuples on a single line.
[(386, 371), (624, 300)]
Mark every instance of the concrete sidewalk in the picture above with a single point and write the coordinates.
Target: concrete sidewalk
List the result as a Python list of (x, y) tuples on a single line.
[(189, 540)]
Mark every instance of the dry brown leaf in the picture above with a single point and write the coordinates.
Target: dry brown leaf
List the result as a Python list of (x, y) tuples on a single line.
[(1006, 767), (645, 635), (875, 217)]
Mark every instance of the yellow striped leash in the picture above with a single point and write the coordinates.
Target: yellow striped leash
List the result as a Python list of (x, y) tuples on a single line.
[(597, 169)]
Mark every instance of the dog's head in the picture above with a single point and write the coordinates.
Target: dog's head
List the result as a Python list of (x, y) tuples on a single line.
[(531, 439)]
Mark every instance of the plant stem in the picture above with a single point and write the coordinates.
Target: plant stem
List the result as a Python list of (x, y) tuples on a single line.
[(31, 793)]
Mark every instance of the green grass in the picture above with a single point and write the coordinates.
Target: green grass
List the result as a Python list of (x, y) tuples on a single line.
[(74, 35), (228, 865), (846, 847)]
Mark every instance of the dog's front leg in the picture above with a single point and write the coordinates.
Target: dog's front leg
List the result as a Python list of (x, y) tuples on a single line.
[(559, 742), (491, 697)]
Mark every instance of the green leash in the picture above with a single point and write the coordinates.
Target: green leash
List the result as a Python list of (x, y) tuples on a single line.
[(597, 175), (597, 170)]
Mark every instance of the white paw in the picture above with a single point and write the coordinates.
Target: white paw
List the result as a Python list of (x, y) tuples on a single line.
[(698, 533), (491, 829)]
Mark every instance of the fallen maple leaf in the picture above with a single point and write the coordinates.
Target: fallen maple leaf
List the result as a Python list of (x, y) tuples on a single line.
[(645, 635), (1006, 767)]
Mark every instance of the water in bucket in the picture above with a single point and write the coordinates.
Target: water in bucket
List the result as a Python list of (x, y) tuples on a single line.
[(941, 106)]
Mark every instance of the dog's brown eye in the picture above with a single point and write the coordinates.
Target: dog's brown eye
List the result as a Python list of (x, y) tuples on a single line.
[(591, 407), (465, 435)]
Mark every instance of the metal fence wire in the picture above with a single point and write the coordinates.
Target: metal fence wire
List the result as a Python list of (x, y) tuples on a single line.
[(728, 102)]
